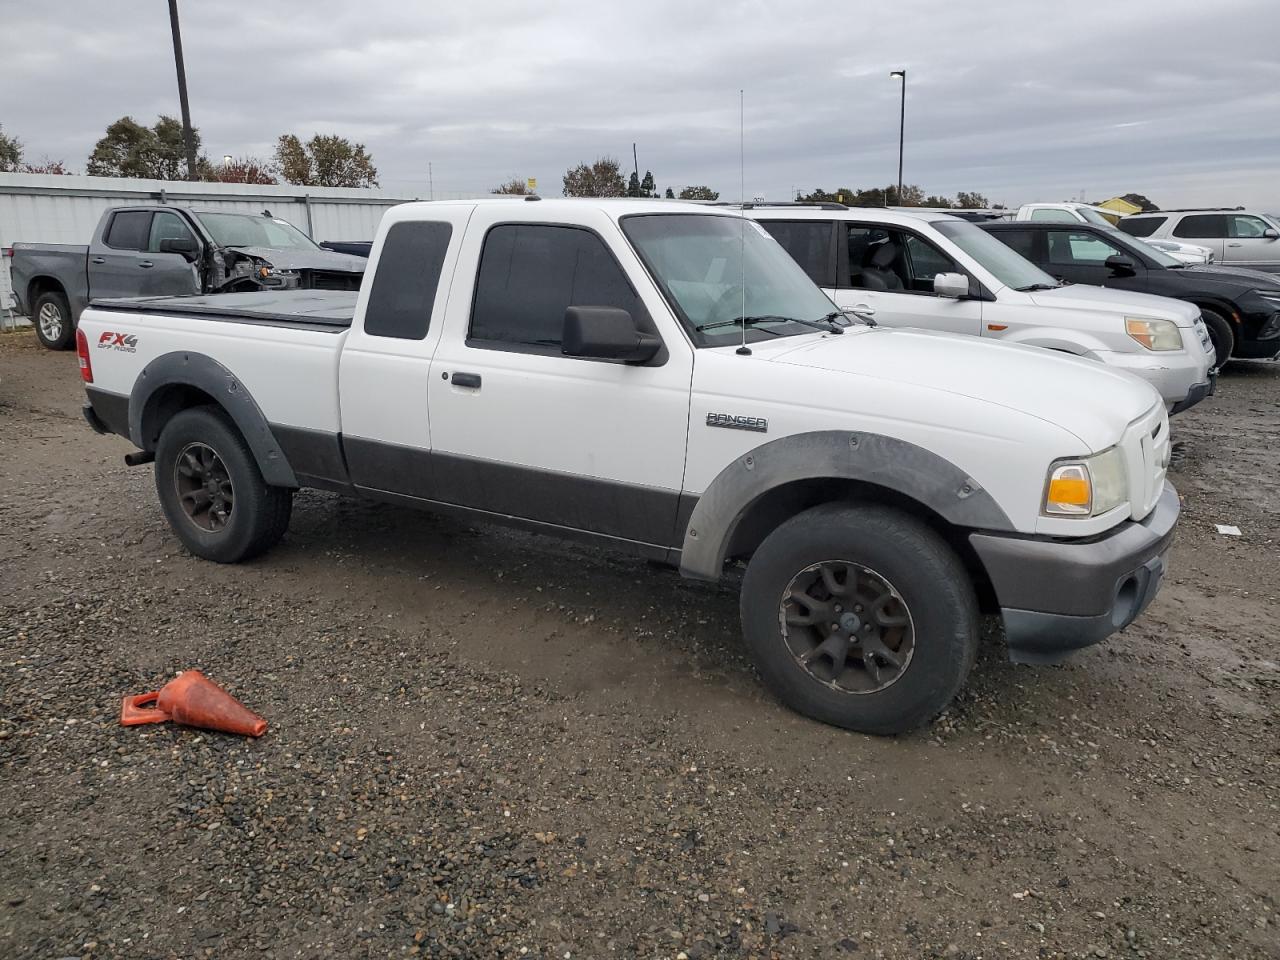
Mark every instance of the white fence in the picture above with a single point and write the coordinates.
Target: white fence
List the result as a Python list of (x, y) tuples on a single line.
[(44, 208)]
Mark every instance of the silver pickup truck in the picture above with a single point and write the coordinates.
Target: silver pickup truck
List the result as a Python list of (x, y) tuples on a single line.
[(169, 251)]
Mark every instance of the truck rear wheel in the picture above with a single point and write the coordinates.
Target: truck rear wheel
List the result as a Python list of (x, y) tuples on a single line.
[(861, 617), (212, 491), (52, 316)]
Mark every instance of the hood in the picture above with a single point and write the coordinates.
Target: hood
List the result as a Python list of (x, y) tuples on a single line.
[(1080, 296), (1090, 400), (1241, 277), (288, 258)]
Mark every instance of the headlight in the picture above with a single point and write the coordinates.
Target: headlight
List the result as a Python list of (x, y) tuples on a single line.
[(1154, 334), (1087, 486)]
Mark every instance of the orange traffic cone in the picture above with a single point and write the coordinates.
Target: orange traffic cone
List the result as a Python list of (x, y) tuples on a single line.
[(193, 700)]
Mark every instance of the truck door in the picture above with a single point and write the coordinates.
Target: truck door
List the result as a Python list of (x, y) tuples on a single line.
[(172, 273), (520, 429)]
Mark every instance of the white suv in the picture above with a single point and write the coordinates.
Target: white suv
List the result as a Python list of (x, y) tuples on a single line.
[(930, 270), (1237, 238)]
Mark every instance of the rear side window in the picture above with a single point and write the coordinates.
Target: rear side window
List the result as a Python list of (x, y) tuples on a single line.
[(129, 230), (1212, 226), (531, 273), (809, 243), (404, 287), (1142, 226)]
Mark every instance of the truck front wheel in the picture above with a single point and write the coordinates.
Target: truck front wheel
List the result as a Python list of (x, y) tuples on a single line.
[(860, 616), (52, 315), (212, 491)]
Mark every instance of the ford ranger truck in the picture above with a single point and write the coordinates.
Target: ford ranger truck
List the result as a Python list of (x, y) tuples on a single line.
[(663, 379)]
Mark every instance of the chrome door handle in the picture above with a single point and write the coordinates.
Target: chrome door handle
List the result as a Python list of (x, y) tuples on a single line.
[(1234, 244), (866, 309), (146, 263), (98, 260)]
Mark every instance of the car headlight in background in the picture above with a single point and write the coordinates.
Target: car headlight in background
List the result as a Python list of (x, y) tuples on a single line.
[(1086, 486), (1154, 334)]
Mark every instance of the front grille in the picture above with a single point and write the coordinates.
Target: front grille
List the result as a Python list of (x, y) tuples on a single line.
[(330, 280)]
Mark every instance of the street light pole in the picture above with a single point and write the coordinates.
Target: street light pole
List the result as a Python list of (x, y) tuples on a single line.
[(188, 138), (902, 127)]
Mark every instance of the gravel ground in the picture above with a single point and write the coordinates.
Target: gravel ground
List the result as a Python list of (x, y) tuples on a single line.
[(487, 744)]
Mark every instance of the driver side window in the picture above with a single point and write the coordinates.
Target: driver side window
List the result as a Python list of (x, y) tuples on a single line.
[(1067, 248), (1241, 227), (167, 226)]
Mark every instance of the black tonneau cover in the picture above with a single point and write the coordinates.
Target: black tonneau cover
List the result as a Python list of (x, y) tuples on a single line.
[(314, 309)]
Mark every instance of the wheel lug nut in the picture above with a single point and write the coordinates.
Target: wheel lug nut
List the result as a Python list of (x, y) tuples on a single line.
[(839, 608)]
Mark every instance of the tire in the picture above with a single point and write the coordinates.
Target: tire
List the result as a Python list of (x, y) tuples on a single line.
[(905, 575), (51, 316), (200, 451), (1224, 341)]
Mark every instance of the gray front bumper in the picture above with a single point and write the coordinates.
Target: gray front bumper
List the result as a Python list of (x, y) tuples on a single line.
[(1057, 596)]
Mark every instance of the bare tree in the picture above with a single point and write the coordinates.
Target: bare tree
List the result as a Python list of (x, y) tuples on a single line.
[(514, 187), (600, 179)]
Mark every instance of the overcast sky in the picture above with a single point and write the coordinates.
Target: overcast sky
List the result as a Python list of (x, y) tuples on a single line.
[(1022, 100)]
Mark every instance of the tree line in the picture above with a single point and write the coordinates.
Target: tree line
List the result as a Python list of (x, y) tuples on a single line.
[(912, 196), (131, 149)]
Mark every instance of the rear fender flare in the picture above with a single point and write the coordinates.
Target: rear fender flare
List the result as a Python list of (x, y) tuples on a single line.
[(871, 458), (184, 368)]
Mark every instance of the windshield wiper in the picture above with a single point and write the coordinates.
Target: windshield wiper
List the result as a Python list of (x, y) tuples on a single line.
[(1039, 286), (827, 323)]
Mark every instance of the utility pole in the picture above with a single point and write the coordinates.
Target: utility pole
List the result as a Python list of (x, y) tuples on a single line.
[(635, 159), (902, 127), (431, 183), (188, 137)]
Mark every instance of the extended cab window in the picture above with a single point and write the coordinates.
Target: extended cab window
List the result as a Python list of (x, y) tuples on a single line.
[(809, 243), (1053, 216), (129, 230), (530, 274), (404, 287), (167, 226), (1211, 226)]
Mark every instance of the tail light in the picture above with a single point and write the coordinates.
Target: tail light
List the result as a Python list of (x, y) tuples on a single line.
[(6, 251), (82, 351)]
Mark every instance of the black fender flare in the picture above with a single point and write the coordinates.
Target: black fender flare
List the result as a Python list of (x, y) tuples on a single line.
[(872, 458), (184, 368)]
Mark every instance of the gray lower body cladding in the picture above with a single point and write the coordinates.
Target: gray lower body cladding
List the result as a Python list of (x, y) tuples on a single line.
[(1057, 596)]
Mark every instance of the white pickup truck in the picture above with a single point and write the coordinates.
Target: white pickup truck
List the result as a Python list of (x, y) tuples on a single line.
[(662, 378), (937, 272)]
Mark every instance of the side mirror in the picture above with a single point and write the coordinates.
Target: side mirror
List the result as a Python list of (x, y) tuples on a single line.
[(181, 245), (1271, 233), (606, 333), (951, 285), (1120, 266)]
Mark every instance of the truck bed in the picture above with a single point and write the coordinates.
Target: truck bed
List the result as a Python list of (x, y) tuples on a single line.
[(309, 309)]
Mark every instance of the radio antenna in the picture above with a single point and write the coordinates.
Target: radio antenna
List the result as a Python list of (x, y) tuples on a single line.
[(743, 350)]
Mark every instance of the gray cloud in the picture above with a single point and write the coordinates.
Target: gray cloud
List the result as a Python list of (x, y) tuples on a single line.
[(1020, 99)]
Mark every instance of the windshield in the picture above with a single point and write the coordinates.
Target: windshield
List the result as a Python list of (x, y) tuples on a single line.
[(1000, 261), (1093, 216), (243, 230), (698, 263)]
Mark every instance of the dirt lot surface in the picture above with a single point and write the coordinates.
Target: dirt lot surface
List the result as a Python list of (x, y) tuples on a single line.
[(488, 744)]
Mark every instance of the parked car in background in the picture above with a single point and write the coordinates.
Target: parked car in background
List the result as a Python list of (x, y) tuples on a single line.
[(1241, 308), (169, 251), (356, 248), (1066, 213), (938, 272), (662, 379), (1189, 253), (1237, 238)]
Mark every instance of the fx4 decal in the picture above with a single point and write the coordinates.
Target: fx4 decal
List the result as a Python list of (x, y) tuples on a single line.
[(125, 342)]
